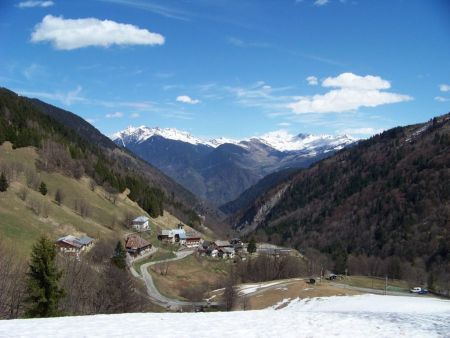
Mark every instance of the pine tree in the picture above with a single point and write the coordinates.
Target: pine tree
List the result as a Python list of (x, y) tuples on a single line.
[(119, 257), (3, 183), (43, 291), (43, 188), (251, 248)]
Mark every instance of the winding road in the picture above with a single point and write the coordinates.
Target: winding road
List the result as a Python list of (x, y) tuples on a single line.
[(154, 293)]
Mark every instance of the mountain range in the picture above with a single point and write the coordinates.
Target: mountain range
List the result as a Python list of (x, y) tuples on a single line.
[(386, 198), (72, 146), (219, 170)]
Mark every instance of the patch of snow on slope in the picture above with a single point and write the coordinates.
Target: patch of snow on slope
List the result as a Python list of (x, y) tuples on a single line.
[(251, 288), (353, 316)]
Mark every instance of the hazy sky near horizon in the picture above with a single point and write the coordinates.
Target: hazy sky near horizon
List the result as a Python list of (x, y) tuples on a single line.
[(232, 68)]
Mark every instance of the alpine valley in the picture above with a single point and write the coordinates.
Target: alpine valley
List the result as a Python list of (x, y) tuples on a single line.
[(219, 170)]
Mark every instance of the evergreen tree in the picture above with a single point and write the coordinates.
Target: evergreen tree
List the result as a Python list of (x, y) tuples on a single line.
[(251, 248), (3, 183), (119, 257), (43, 291), (43, 188)]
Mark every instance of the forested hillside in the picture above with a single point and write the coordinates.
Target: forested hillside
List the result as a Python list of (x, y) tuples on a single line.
[(381, 207), (77, 148)]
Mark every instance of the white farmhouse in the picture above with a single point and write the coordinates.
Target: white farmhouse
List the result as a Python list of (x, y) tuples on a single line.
[(140, 223)]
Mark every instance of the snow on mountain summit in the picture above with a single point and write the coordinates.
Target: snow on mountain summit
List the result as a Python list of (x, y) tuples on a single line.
[(283, 141), (280, 140), (143, 133)]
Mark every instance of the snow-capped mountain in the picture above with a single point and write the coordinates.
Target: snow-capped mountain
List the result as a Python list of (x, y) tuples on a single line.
[(220, 169), (143, 133), (279, 140)]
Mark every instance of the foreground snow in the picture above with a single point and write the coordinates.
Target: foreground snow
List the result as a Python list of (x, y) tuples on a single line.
[(353, 316)]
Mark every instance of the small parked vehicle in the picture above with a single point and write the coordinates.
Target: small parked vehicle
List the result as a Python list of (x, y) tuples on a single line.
[(419, 290)]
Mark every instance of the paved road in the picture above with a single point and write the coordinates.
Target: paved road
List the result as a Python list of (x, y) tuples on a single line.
[(154, 293), (132, 261)]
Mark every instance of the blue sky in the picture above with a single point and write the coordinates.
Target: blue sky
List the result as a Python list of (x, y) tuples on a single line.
[(232, 68)]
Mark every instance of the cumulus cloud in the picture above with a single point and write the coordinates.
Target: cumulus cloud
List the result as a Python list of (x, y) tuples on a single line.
[(352, 81), (320, 2), (31, 4), (187, 99), (116, 115), (68, 34), (444, 87), (312, 80), (350, 93)]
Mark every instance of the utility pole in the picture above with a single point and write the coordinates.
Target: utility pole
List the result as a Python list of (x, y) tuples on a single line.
[(385, 285)]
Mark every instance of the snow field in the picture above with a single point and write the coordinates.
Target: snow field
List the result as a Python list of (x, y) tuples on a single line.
[(350, 316)]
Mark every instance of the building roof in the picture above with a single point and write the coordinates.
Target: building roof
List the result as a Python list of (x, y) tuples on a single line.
[(85, 240), (141, 219), (75, 241), (135, 242), (70, 240), (193, 235), (220, 243)]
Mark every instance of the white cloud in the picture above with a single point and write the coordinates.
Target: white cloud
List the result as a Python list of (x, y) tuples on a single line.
[(312, 80), (187, 99), (320, 2), (350, 80), (134, 115), (116, 115), (444, 87), (68, 34), (352, 92), (360, 131), (31, 4), (441, 99), (72, 96), (284, 124)]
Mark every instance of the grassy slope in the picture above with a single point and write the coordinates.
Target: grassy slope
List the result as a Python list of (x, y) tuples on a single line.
[(191, 272), (19, 225), (375, 283)]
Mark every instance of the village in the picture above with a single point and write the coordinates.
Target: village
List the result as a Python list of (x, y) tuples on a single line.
[(137, 246)]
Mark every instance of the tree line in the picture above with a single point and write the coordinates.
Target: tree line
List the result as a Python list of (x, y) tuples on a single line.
[(53, 285)]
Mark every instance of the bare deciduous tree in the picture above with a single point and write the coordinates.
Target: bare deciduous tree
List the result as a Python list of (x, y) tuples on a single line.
[(82, 207), (23, 193), (12, 283), (59, 196)]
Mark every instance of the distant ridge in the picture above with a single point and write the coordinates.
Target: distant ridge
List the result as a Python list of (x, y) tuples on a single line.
[(219, 170)]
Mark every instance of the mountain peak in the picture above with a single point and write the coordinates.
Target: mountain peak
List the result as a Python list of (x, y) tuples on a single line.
[(280, 140)]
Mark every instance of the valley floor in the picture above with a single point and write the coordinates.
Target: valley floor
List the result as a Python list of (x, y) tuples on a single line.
[(355, 316)]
